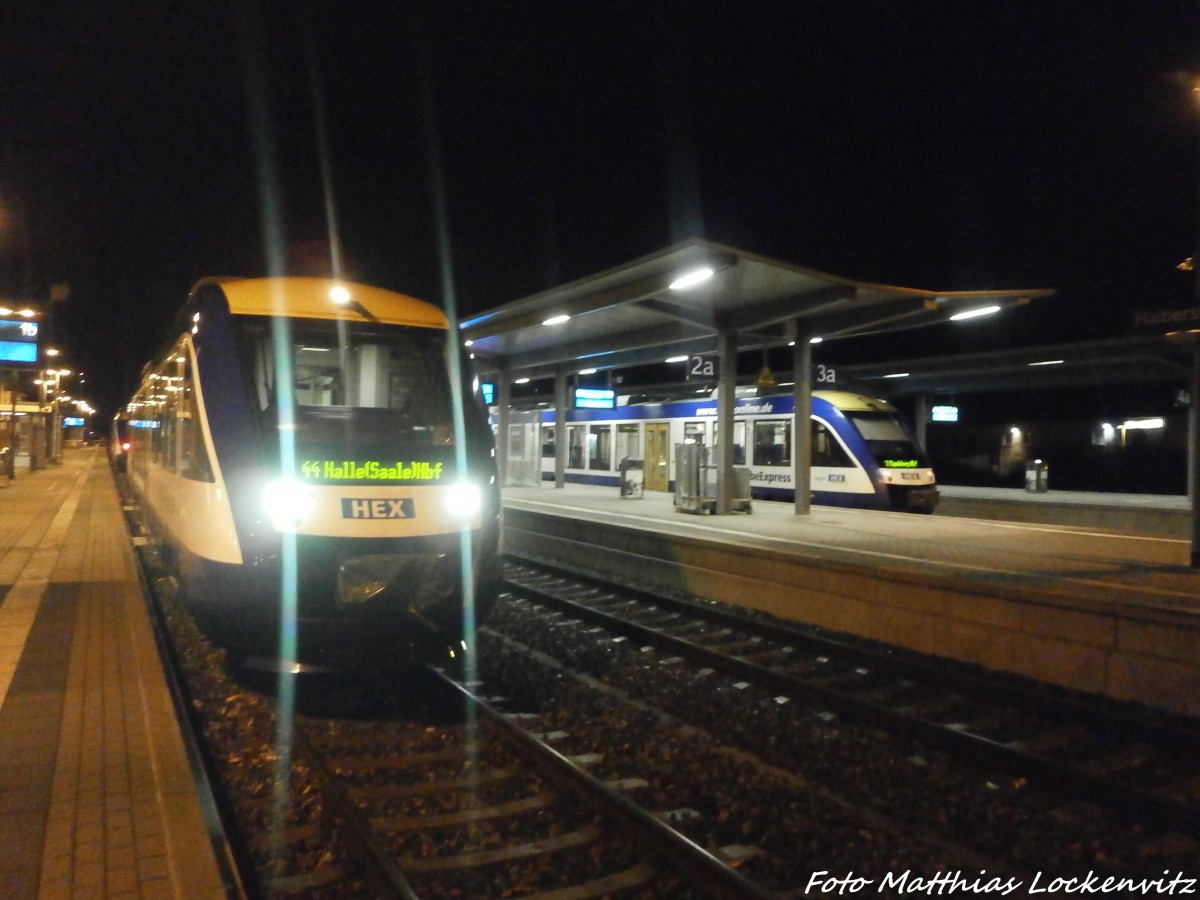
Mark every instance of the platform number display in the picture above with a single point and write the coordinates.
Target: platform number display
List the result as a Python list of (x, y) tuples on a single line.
[(701, 368), (824, 374)]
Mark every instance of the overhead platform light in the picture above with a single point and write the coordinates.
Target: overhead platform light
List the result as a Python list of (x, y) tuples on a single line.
[(691, 279), (556, 320), (1048, 362), (1144, 424), (975, 313), (675, 359)]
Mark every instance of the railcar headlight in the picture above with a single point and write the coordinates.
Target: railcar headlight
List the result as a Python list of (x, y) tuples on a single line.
[(464, 499), (286, 503)]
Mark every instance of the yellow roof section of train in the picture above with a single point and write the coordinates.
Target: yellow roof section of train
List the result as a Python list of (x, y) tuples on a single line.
[(327, 298), (848, 401)]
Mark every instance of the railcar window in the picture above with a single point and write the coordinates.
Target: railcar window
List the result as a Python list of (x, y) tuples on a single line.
[(575, 446), (826, 449), (628, 442), (360, 386), (773, 443), (693, 432), (600, 447), (739, 442), (887, 438), (548, 447), (193, 453)]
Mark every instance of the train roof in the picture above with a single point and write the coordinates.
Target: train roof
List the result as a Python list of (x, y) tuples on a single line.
[(313, 298), (848, 401)]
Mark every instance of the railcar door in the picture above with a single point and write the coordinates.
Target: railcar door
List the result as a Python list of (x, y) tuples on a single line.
[(658, 452)]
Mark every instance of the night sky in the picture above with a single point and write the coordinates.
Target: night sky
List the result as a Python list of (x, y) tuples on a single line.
[(927, 143)]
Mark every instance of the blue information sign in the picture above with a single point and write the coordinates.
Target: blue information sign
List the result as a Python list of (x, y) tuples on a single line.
[(18, 341)]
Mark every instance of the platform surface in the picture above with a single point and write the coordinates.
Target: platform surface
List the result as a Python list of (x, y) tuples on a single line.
[(1110, 564), (97, 796), (1106, 611)]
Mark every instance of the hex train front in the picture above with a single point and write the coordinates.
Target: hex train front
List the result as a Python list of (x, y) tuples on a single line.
[(311, 457)]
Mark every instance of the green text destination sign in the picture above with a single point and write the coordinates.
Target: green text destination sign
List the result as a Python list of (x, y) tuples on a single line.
[(370, 470)]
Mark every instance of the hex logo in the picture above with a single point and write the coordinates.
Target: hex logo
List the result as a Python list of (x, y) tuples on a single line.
[(377, 508)]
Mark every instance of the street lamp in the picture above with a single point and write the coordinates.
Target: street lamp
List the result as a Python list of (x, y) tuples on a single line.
[(45, 385)]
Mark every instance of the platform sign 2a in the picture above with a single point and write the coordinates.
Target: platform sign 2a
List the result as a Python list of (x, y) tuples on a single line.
[(702, 368), (18, 342)]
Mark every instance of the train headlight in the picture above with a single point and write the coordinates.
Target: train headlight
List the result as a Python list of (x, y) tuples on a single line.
[(286, 503), (464, 499)]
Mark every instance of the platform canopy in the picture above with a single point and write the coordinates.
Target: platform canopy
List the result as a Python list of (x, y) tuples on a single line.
[(631, 314), (690, 300)]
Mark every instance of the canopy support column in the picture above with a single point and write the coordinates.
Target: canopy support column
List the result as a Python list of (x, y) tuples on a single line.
[(560, 427), (503, 398), (801, 417)]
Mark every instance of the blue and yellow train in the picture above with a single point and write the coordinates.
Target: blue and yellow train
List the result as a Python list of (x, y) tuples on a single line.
[(311, 458), (863, 455)]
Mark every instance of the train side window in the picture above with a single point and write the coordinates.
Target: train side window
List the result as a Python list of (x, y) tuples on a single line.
[(168, 384), (694, 432), (739, 442), (193, 453), (548, 446), (575, 446), (600, 447), (826, 449), (629, 442), (773, 443)]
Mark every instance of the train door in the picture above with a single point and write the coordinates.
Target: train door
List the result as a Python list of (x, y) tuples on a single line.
[(658, 452)]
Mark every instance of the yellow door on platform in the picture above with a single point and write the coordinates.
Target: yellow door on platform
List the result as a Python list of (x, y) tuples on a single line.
[(658, 455)]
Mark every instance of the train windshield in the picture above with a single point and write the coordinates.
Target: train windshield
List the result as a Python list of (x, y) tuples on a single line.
[(365, 395), (889, 441)]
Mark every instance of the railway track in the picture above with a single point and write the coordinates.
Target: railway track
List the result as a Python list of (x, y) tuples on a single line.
[(519, 800), (466, 803), (1136, 770), (490, 809), (337, 808), (1139, 764)]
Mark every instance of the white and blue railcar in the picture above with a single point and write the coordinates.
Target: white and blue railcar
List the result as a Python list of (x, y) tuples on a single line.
[(862, 453), (300, 457)]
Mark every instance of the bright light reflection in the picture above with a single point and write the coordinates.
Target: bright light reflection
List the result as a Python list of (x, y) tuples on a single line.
[(339, 294), (1143, 424), (975, 313), (691, 279)]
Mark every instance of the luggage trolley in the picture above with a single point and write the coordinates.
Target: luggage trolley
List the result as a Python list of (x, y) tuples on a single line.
[(696, 482)]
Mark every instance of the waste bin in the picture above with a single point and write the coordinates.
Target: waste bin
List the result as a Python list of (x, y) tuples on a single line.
[(1037, 476), (632, 478)]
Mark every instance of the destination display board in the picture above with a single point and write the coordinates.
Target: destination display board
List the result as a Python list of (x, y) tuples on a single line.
[(18, 341)]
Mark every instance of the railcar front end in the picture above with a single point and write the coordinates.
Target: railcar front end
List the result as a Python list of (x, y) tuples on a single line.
[(323, 473)]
